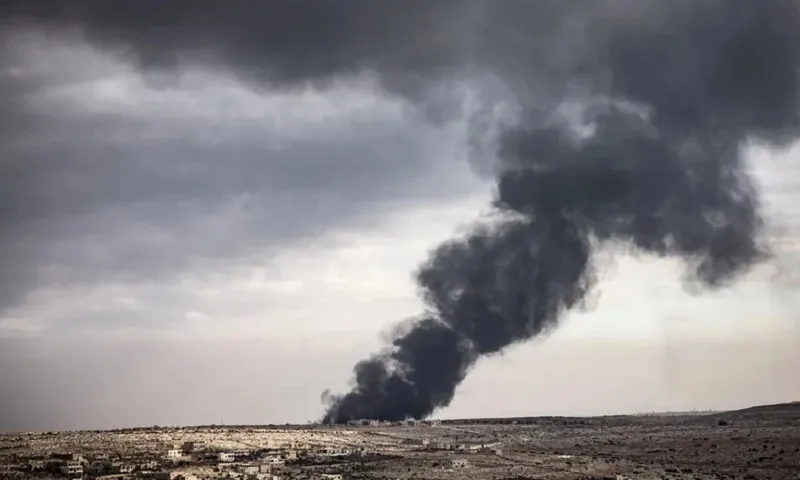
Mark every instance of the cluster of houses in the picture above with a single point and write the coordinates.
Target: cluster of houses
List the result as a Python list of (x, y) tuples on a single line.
[(183, 462), (199, 461), (99, 465), (479, 447)]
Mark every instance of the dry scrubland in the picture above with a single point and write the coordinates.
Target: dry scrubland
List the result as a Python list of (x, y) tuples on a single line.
[(759, 443)]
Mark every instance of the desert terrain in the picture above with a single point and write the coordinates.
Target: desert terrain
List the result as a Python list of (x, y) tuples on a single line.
[(757, 443)]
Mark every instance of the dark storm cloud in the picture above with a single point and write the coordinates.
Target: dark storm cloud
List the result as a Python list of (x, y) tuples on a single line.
[(668, 92), (125, 193)]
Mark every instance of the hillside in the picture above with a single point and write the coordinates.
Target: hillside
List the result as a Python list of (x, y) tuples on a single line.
[(791, 409)]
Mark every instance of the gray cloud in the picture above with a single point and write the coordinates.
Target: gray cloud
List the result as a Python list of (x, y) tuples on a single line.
[(124, 189), (543, 54)]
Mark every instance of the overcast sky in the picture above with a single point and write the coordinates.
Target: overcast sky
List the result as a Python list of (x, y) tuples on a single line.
[(190, 250)]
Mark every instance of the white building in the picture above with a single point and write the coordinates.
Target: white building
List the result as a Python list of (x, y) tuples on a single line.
[(440, 446), (275, 462), (331, 476), (470, 448), (291, 455), (364, 423), (175, 454), (183, 476), (148, 465), (227, 456), (334, 451), (459, 463), (241, 453), (72, 468)]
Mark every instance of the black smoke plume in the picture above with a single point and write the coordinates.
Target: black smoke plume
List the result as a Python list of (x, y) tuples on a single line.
[(664, 95)]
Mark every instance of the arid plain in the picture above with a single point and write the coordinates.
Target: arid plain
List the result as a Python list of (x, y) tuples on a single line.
[(757, 443)]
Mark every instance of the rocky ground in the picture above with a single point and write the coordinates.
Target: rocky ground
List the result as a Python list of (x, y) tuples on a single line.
[(759, 443)]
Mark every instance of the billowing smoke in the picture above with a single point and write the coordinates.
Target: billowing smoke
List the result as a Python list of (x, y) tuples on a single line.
[(631, 120), (656, 164)]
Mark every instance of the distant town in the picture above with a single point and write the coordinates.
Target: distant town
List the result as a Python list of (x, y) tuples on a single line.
[(260, 453), (757, 443)]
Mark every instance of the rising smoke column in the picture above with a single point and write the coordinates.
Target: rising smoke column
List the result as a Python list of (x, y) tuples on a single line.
[(668, 93), (661, 171)]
